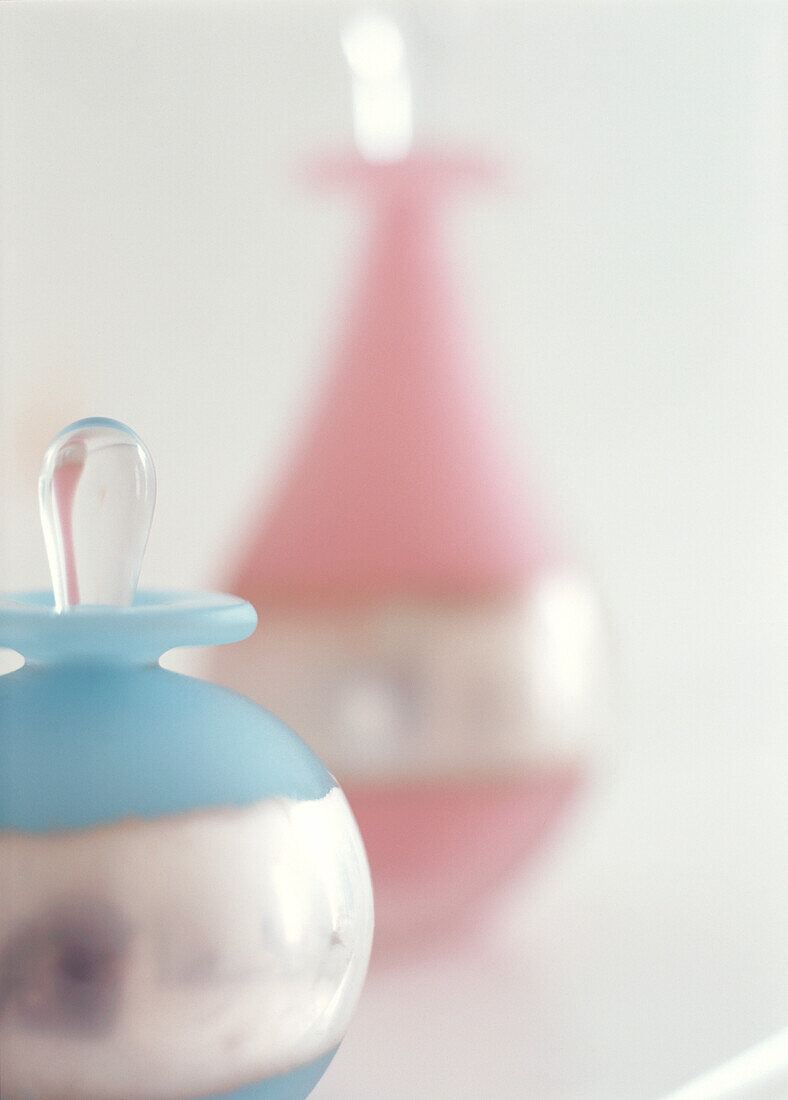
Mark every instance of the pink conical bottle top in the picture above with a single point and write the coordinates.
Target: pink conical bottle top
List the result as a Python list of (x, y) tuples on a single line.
[(401, 485), (97, 492)]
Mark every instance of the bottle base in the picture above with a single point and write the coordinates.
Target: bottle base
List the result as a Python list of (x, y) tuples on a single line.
[(295, 1085)]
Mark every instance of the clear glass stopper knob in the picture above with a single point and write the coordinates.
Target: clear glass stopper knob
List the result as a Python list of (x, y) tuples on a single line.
[(97, 491)]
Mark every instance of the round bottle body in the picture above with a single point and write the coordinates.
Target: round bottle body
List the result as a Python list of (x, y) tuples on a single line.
[(185, 908)]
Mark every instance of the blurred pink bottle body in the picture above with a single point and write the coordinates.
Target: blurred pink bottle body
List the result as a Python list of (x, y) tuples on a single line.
[(418, 625)]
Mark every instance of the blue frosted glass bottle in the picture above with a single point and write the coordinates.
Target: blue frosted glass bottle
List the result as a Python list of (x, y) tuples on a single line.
[(185, 903)]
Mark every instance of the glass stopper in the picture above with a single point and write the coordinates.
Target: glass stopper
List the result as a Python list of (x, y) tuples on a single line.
[(97, 491), (374, 47)]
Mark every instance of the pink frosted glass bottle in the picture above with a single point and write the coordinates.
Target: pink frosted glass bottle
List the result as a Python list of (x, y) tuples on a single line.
[(420, 626)]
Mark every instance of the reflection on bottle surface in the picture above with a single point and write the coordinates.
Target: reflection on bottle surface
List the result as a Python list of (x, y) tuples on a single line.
[(182, 956)]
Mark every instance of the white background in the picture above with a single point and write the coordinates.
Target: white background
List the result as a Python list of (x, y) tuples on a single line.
[(161, 263)]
